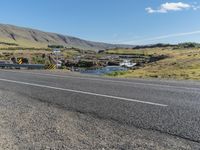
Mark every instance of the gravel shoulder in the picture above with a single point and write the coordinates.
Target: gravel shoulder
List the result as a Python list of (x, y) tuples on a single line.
[(27, 123)]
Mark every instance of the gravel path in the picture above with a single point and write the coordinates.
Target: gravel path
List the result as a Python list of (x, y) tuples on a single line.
[(27, 123)]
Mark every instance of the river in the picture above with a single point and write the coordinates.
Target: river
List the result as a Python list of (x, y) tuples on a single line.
[(104, 70)]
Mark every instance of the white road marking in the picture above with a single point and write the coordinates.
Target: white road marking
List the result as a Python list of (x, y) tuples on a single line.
[(106, 80), (83, 92)]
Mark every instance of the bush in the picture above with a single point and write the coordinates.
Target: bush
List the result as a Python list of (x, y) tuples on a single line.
[(55, 46), (38, 60)]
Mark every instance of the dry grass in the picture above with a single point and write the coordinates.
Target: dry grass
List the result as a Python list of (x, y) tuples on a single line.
[(22, 43), (181, 64)]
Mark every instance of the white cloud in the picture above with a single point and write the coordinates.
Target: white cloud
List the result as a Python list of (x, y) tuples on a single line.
[(166, 7)]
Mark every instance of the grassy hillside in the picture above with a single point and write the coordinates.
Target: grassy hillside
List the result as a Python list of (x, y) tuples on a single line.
[(26, 37), (182, 63)]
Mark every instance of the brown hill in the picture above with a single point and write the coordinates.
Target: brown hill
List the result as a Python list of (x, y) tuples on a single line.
[(12, 36)]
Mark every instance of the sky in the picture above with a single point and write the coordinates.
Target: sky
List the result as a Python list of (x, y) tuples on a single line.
[(110, 21)]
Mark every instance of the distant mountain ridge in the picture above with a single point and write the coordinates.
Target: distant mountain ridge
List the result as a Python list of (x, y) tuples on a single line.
[(11, 35)]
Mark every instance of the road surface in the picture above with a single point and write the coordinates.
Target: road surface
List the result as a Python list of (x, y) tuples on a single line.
[(170, 107)]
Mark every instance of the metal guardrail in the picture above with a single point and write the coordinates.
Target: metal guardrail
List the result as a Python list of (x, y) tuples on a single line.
[(18, 66)]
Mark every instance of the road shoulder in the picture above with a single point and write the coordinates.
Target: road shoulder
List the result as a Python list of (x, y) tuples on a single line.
[(27, 123)]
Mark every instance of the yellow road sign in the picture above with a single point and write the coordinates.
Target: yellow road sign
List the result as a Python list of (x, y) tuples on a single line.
[(20, 61), (51, 66)]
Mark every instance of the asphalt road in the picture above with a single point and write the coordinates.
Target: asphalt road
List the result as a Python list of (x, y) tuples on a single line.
[(171, 107)]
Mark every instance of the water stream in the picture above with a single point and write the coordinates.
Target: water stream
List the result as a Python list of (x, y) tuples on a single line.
[(104, 70)]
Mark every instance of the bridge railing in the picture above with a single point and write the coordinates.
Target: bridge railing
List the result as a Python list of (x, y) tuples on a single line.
[(18, 66)]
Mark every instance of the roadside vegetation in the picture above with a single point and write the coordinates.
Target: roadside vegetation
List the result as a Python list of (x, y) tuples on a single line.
[(182, 62), (153, 61)]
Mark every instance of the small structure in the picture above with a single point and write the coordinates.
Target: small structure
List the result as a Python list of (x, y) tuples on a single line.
[(127, 63), (57, 62)]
